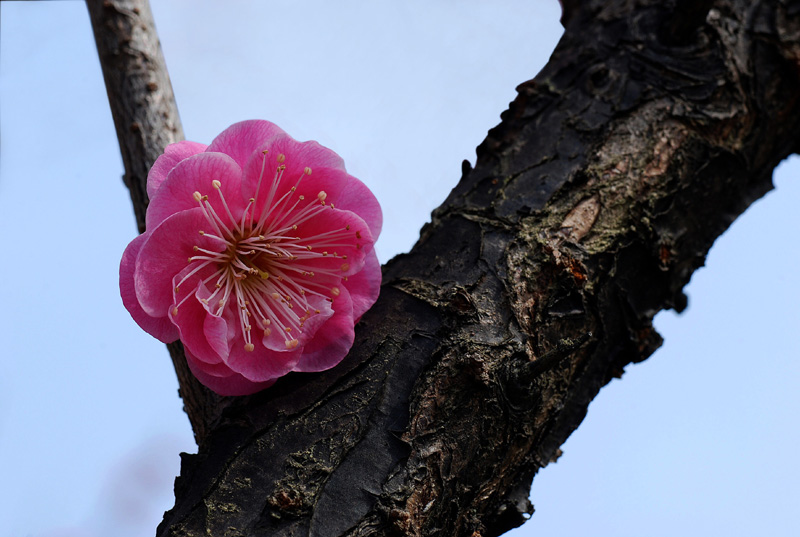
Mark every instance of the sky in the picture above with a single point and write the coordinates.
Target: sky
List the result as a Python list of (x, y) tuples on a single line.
[(700, 439)]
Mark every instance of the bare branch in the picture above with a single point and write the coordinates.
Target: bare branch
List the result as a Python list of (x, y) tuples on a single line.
[(146, 119)]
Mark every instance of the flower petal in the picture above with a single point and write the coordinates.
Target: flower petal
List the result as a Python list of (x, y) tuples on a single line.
[(275, 339), (365, 285), (204, 334), (327, 174), (261, 364), (241, 139), (173, 154), (339, 241), (232, 384), (164, 254), (160, 328), (333, 340), (195, 174)]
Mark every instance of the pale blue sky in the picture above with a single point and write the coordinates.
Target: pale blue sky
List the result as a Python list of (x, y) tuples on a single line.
[(699, 440)]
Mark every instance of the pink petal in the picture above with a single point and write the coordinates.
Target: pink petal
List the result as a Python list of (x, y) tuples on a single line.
[(276, 340), (333, 340), (195, 174), (356, 197), (164, 254), (261, 364), (365, 285), (173, 154), (354, 243), (160, 328), (344, 190), (202, 333), (241, 139), (309, 153), (232, 384)]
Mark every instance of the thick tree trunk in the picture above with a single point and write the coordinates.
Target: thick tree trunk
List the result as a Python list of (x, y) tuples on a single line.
[(653, 126)]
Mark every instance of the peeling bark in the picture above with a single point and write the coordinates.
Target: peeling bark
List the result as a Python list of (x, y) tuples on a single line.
[(652, 127)]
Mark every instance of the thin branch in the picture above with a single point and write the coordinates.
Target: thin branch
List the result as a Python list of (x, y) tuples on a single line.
[(146, 119)]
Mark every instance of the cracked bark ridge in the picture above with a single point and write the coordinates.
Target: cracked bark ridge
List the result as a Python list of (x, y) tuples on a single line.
[(146, 120), (536, 282)]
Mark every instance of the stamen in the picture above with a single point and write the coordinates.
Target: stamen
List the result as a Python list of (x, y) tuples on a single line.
[(216, 184)]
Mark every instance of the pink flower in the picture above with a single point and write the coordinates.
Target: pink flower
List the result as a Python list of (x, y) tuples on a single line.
[(258, 256)]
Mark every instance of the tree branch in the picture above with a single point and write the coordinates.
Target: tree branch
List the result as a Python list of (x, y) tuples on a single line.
[(146, 119)]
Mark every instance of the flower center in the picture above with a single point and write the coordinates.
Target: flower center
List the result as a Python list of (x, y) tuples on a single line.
[(266, 273)]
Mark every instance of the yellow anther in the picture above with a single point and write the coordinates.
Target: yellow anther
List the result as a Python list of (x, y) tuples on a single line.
[(302, 198), (335, 291), (175, 311), (276, 296), (307, 170), (267, 332), (291, 344), (195, 248), (202, 232), (347, 227), (281, 158), (249, 347), (345, 267), (197, 196), (322, 195), (216, 184)]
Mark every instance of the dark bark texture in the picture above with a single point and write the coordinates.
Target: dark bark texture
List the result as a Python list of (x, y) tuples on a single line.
[(652, 127)]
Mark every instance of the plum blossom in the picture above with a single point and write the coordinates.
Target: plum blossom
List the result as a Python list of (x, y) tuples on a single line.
[(258, 256)]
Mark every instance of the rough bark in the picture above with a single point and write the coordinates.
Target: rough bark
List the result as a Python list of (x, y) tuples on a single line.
[(651, 128)]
